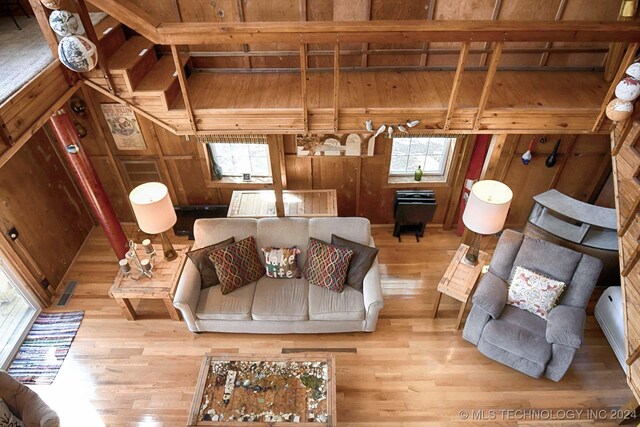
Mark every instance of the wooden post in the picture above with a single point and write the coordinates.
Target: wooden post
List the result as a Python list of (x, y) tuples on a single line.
[(69, 142), (336, 85), (276, 173), (101, 64), (182, 79), (486, 89), (456, 84), (303, 83)]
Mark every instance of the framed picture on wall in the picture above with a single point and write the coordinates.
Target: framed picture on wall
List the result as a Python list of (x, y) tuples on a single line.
[(123, 126)]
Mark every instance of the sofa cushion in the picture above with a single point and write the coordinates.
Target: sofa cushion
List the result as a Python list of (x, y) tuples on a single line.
[(200, 258), (208, 231), (361, 261), (281, 300), (548, 259), (327, 265), (237, 264), (356, 229), (327, 305), (282, 263), (212, 305), (533, 292), (284, 233), (517, 340)]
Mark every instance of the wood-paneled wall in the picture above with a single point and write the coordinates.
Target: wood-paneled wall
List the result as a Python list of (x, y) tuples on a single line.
[(361, 182), (39, 198)]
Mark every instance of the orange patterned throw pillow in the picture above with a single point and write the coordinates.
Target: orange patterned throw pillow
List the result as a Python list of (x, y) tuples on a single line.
[(237, 264), (327, 265), (534, 292)]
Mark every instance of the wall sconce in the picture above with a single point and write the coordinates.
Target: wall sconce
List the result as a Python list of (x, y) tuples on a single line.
[(78, 106)]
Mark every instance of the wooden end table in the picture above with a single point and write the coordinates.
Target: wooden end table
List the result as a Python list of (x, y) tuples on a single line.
[(459, 281), (162, 285), (265, 390)]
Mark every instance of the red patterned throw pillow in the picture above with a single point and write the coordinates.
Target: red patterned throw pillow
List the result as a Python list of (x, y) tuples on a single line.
[(327, 265), (237, 264)]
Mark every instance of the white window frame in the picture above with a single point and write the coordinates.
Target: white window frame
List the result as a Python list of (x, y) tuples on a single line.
[(446, 157), (214, 157)]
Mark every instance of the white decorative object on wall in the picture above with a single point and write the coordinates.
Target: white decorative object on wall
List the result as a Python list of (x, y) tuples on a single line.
[(628, 89), (52, 4), (369, 125), (618, 110), (63, 22), (380, 130), (634, 70), (413, 123), (78, 53)]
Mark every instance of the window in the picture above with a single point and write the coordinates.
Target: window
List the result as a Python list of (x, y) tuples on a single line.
[(431, 154), (237, 159)]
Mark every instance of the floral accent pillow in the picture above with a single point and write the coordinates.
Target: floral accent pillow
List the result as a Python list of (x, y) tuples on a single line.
[(237, 264), (327, 265), (533, 292), (281, 263)]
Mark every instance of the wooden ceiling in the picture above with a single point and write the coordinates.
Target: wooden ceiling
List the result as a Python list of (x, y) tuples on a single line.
[(435, 55)]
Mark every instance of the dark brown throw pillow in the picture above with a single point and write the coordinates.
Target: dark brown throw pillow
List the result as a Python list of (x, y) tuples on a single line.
[(200, 257), (361, 261)]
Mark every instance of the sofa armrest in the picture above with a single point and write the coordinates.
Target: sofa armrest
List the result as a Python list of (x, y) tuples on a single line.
[(491, 295), (565, 325), (188, 294), (372, 294)]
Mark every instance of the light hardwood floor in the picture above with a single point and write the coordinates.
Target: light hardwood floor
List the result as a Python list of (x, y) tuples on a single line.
[(413, 371)]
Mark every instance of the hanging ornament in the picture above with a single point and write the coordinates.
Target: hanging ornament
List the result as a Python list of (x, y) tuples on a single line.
[(618, 110), (526, 157), (63, 23), (82, 131), (553, 157), (634, 70), (52, 4), (369, 125), (390, 131), (78, 53), (380, 130), (628, 89), (78, 105)]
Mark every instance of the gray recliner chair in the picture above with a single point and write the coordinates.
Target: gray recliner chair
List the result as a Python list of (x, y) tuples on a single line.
[(516, 337)]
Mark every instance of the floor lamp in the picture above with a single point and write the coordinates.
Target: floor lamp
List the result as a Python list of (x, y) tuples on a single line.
[(155, 214), (485, 213)]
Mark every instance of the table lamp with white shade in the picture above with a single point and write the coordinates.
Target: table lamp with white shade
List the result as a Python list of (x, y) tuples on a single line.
[(485, 213), (155, 214)]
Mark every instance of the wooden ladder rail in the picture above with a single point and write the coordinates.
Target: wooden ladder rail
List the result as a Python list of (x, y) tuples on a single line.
[(90, 31)]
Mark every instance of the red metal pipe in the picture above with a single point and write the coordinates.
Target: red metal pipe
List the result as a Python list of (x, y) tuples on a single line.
[(67, 137)]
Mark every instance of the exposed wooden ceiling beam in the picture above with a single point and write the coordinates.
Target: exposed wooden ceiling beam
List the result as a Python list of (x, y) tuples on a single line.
[(398, 31)]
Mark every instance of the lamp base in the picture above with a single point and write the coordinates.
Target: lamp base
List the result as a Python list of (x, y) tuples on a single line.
[(167, 248), (471, 257)]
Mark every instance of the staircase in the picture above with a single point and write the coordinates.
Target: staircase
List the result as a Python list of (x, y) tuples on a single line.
[(140, 76)]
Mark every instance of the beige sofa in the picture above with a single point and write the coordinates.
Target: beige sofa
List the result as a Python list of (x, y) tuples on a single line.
[(279, 306), (26, 404)]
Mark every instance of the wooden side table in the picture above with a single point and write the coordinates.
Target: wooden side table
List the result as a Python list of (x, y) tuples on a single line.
[(460, 280), (162, 285)]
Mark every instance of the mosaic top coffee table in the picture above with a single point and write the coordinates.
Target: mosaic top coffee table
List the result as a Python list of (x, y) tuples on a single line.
[(236, 390)]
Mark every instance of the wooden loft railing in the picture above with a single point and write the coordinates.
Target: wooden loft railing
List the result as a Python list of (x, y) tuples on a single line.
[(339, 100)]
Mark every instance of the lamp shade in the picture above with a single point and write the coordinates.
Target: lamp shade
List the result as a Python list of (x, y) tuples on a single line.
[(153, 208), (487, 207)]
